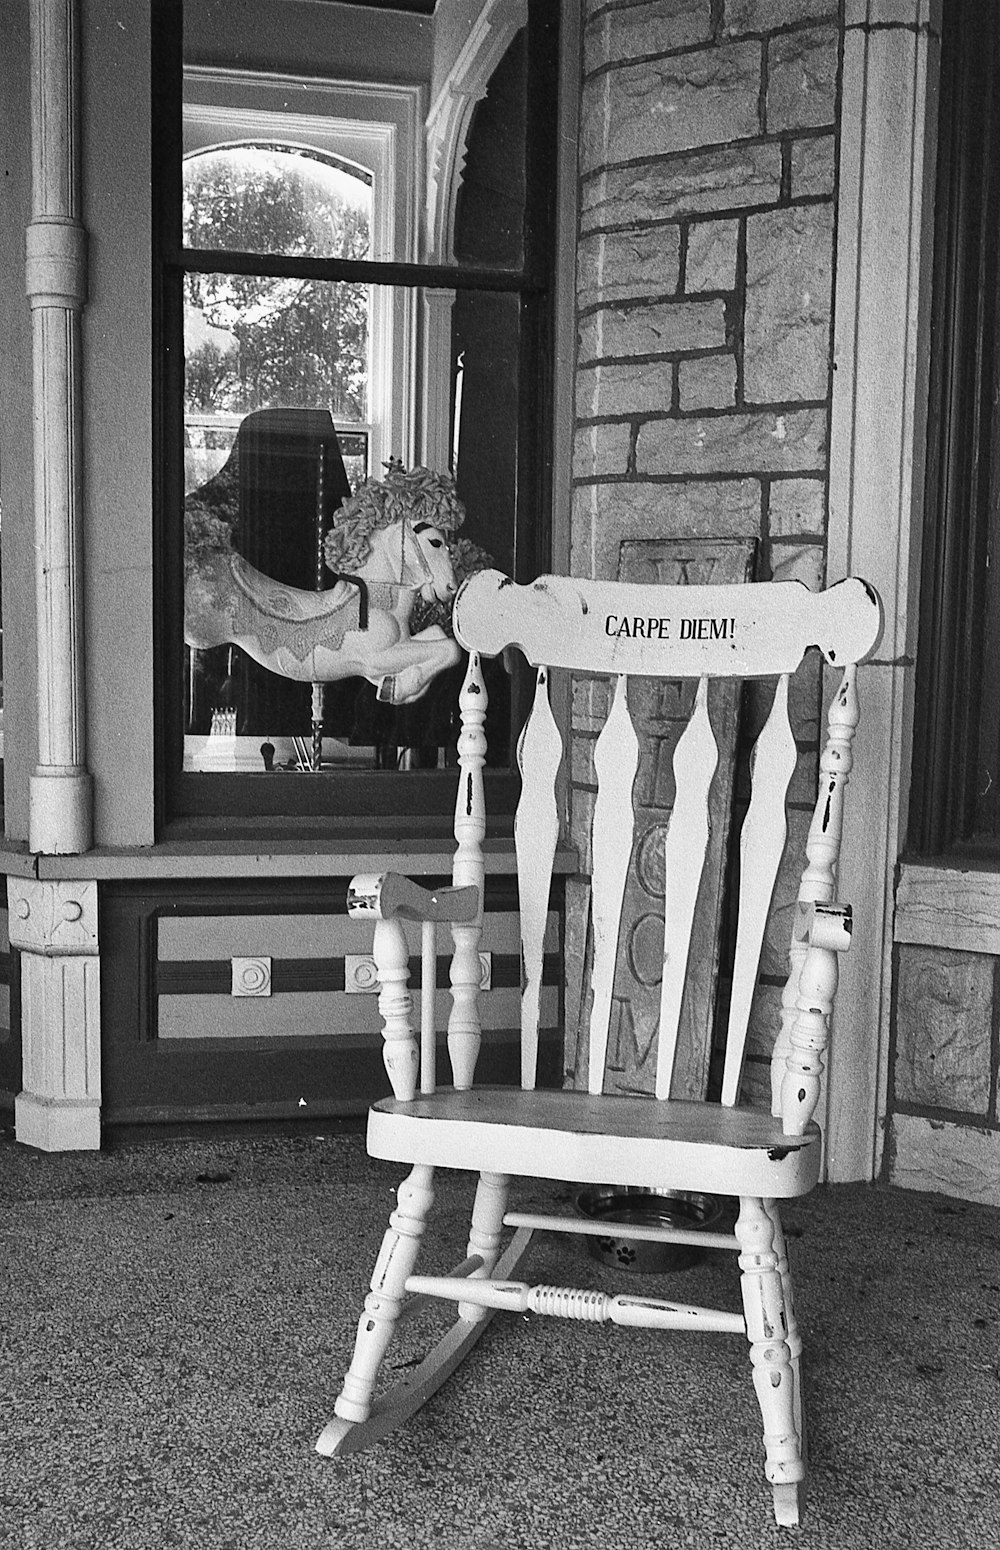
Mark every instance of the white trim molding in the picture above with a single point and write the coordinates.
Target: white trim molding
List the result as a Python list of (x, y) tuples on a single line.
[(877, 437), (377, 128), (451, 115), (448, 124)]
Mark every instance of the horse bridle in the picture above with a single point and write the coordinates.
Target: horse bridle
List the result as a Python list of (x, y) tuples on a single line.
[(418, 527)]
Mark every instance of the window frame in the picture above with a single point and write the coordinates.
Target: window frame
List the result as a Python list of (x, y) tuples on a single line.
[(957, 699), (192, 803)]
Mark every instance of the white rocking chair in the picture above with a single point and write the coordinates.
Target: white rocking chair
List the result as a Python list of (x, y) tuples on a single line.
[(695, 632)]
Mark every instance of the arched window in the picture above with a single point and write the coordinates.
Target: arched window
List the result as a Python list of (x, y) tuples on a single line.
[(256, 342)]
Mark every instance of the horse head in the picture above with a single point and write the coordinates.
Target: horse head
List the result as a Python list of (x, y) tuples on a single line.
[(427, 562)]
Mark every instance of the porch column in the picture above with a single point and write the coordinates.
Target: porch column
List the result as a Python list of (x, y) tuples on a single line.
[(54, 924), (877, 441), (60, 790)]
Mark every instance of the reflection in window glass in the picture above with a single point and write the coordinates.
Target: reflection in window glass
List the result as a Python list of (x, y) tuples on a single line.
[(276, 199), (306, 400), (254, 341), (273, 676)]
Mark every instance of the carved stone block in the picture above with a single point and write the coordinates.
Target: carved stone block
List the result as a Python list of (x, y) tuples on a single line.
[(738, 177), (652, 328), (944, 1014), (616, 264), (658, 27), (707, 383), (802, 79), (711, 256), (769, 442), (958, 1160), (714, 96)]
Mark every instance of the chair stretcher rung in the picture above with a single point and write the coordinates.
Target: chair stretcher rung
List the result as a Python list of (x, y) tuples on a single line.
[(465, 1267), (704, 1240), (570, 1302)]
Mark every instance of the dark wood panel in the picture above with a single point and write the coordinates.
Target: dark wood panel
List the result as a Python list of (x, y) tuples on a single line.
[(146, 1079)]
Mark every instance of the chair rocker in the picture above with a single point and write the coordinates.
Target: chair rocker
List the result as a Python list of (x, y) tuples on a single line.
[(698, 633)]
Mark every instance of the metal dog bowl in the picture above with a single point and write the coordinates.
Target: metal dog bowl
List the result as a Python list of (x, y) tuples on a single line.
[(624, 1206)]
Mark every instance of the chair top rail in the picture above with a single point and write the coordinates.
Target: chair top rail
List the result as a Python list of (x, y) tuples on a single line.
[(746, 630)]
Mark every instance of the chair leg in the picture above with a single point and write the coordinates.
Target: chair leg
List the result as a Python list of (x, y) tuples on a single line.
[(395, 1262), (344, 1434), (792, 1336), (764, 1306), (485, 1233)]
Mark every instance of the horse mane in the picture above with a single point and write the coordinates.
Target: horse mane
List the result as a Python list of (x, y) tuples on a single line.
[(415, 495)]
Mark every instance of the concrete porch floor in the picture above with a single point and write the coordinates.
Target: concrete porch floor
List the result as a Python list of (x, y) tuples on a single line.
[(178, 1315)]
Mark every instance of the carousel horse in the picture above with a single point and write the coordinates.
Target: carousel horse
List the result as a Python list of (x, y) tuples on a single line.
[(357, 628)]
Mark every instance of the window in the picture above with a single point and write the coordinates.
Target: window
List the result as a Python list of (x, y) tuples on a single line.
[(353, 299), (955, 800)]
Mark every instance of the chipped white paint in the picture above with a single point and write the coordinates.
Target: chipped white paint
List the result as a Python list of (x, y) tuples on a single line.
[(674, 632)]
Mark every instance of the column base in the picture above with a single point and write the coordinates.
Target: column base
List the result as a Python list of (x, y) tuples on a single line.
[(60, 811), (57, 1124)]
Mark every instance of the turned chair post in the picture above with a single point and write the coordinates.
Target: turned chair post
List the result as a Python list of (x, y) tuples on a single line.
[(469, 868)]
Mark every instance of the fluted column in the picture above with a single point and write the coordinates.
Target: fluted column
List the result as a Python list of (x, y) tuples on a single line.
[(60, 791)]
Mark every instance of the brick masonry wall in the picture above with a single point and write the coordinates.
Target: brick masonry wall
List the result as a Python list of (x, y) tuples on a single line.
[(704, 300)]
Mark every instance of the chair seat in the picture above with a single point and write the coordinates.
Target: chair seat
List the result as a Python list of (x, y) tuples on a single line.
[(590, 1140)]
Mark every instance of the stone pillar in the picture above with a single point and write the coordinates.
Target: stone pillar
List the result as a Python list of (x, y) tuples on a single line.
[(54, 926), (60, 791)]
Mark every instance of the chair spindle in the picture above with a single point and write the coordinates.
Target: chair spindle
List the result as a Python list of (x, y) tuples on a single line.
[(818, 886), (400, 1053), (428, 1021), (464, 1033)]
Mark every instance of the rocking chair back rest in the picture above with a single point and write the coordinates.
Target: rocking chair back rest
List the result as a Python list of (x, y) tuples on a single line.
[(700, 633)]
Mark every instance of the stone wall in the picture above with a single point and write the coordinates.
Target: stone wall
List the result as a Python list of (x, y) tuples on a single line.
[(943, 1112), (704, 296)]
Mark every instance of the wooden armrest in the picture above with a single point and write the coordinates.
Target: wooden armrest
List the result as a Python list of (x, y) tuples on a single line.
[(390, 895), (824, 925)]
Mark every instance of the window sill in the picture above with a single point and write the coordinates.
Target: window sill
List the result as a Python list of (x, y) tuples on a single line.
[(950, 905), (262, 859)]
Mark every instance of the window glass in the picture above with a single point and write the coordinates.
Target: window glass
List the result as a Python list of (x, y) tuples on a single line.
[(283, 514), (345, 435), (276, 199)]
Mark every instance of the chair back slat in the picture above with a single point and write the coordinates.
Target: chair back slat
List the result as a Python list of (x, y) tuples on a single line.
[(672, 633), (686, 843), (536, 833), (616, 759), (762, 843)]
